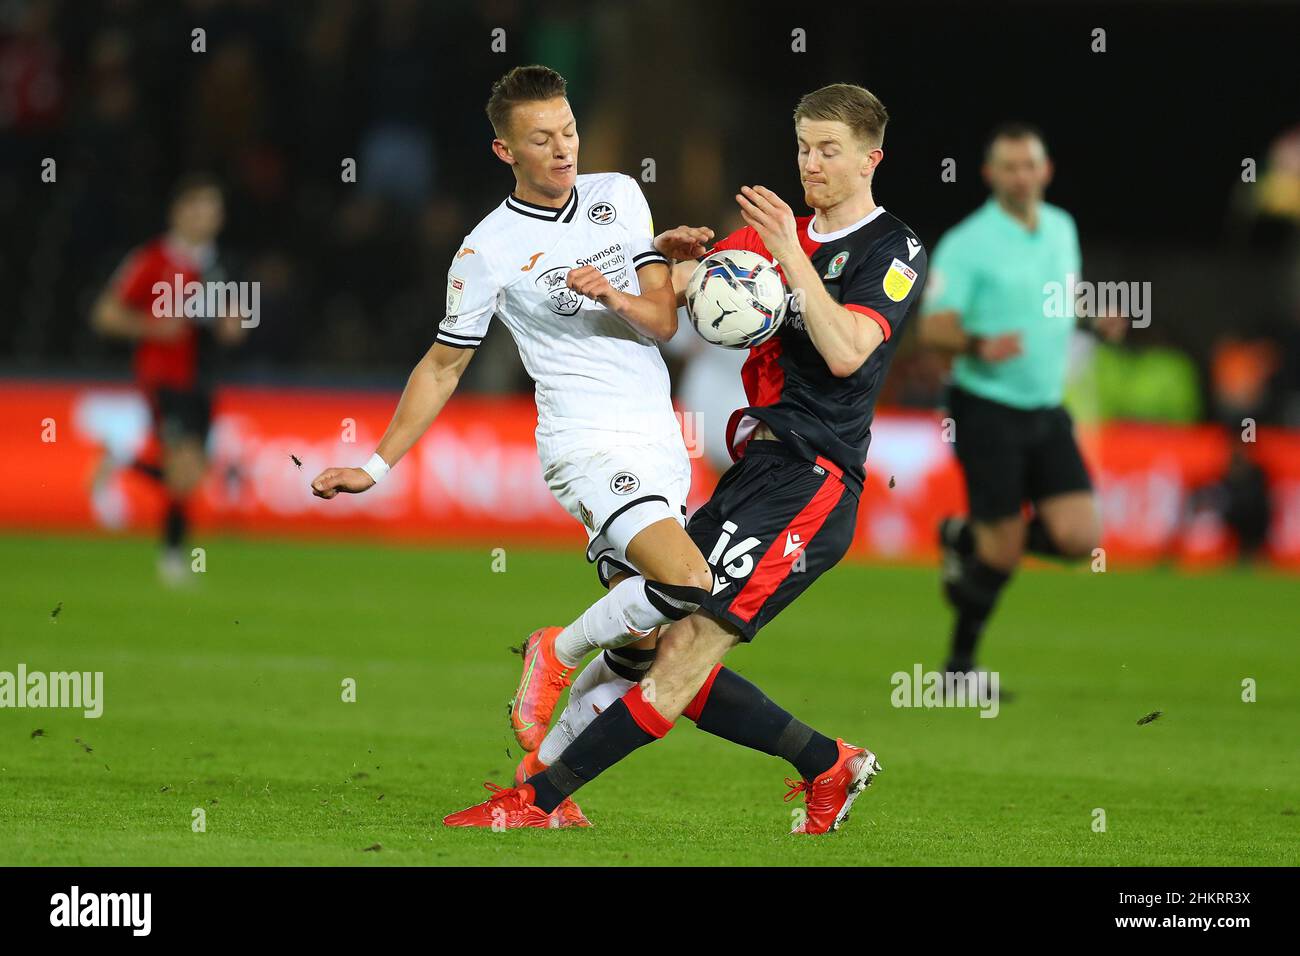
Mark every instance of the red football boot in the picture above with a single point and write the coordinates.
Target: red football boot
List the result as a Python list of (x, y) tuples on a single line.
[(569, 810), (831, 795), (509, 809), (544, 680)]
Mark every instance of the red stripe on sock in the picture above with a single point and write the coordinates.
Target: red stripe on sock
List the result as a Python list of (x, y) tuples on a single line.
[(647, 718), (696, 706), (775, 565)]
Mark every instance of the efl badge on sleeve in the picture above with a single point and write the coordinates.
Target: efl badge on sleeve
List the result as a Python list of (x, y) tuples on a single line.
[(455, 288), (899, 280)]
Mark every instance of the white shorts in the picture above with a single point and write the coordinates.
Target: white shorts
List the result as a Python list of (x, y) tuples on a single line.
[(617, 492)]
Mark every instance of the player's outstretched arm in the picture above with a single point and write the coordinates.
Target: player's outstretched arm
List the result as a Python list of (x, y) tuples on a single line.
[(685, 245), (652, 313), (681, 277), (430, 385)]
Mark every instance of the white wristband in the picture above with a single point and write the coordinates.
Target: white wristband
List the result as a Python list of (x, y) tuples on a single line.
[(376, 468)]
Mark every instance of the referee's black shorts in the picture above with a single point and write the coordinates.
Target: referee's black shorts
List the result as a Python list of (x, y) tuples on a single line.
[(1013, 455), (775, 522)]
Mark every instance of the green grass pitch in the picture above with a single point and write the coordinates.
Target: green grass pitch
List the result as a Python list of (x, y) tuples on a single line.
[(228, 697)]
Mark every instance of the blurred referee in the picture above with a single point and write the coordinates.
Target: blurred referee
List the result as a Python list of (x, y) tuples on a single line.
[(986, 304)]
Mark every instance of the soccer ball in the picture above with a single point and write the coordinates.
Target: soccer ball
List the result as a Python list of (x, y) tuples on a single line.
[(736, 299)]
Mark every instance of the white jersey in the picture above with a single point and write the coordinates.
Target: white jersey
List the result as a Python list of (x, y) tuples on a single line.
[(599, 382)]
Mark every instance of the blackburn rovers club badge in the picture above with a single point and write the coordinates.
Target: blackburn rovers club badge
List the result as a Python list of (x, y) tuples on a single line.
[(837, 266)]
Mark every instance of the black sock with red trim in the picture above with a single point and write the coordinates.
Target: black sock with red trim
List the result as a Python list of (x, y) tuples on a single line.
[(625, 725), (730, 707)]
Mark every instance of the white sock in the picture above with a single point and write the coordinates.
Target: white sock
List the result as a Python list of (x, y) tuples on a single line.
[(596, 688), (622, 616), (619, 618)]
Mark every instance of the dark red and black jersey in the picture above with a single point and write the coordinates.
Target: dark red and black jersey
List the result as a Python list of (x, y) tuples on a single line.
[(876, 268), (184, 363)]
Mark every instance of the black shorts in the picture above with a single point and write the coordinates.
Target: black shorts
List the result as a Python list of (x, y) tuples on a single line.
[(181, 414), (1013, 455), (775, 522)]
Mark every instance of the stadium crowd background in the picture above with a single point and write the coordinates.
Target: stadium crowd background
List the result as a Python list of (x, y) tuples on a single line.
[(352, 275)]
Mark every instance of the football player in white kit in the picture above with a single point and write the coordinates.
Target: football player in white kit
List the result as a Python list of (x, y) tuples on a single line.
[(569, 263)]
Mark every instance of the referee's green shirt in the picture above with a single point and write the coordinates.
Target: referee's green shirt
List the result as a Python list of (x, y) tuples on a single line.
[(995, 273)]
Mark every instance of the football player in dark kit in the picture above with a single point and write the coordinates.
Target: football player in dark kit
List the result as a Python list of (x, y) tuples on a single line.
[(173, 357), (786, 511)]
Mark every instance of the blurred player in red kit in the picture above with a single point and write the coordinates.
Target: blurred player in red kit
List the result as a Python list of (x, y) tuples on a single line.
[(173, 359)]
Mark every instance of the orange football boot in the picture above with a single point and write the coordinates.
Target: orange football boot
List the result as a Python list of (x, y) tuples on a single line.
[(831, 795), (572, 814), (527, 767), (544, 680)]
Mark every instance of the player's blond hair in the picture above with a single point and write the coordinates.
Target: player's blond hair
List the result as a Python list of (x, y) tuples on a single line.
[(856, 107), (523, 84)]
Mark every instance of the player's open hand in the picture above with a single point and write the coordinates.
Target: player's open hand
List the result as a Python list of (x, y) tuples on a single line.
[(998, 348), (591, 282), (771, 218), (684, 242), (333, 480)]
